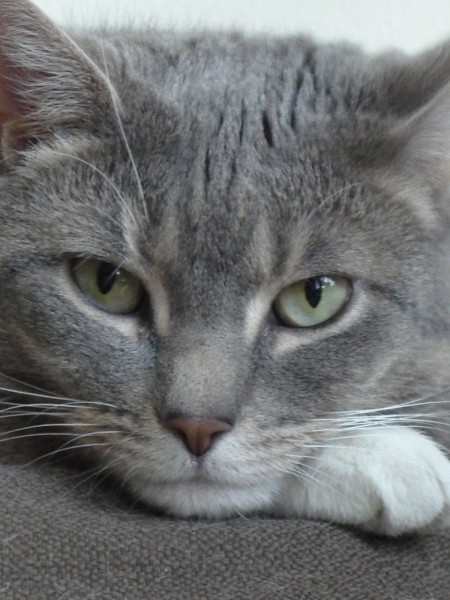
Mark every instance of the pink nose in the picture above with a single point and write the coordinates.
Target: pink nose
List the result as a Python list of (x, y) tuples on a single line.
[(197, 433)]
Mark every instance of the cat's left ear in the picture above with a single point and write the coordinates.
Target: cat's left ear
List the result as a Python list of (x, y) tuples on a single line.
[(47, 83), (419, 147)]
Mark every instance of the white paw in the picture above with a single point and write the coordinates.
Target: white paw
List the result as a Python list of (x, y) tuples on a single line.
[(392, 481)]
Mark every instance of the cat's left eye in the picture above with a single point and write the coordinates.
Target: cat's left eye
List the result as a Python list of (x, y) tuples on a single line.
[(110, 287), (312, 301)]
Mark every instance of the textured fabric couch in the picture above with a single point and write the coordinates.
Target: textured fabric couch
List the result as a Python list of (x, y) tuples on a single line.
[(64, 537)]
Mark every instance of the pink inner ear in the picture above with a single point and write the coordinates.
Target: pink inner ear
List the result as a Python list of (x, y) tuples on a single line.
[(9, 105), (12, 136)]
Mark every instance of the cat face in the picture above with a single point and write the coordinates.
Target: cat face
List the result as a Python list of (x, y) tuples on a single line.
[(213, 249)]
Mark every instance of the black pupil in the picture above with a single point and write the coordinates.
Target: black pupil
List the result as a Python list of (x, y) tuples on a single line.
[(313, 291), (106, 276)]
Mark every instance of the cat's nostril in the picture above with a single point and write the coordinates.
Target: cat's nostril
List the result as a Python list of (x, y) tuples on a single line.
[(198, 433)]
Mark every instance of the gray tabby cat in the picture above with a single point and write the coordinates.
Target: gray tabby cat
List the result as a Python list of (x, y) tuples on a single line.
[(226, 260)]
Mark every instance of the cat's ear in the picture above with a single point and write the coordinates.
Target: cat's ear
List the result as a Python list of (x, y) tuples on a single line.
[(418, 148), (417, 90), (47, 83)]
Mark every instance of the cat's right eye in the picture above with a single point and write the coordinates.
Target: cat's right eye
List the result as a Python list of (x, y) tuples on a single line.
[(110, 287)]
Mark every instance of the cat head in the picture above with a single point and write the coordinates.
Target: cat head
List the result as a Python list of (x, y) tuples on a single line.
[(215, 249)]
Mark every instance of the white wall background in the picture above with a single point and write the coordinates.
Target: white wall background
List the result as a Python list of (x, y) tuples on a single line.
[(374, 24)]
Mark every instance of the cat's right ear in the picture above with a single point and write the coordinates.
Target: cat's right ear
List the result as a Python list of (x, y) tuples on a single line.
[(48, 85)]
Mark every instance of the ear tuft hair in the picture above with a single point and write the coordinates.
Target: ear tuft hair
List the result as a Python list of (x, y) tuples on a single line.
[(47, 83), (421, 143)]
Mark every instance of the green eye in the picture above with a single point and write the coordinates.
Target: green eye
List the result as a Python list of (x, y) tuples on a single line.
[(109, 287), (312, 301)]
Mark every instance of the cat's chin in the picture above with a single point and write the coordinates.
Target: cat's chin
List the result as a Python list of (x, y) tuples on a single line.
[(208, 500)]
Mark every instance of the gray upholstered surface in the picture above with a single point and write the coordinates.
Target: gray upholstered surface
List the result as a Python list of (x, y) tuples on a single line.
[(65, 540)]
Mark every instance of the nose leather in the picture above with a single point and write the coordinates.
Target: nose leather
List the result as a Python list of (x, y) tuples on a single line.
[(198, 433)]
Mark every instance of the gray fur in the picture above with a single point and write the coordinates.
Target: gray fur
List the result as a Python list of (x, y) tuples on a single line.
[(261, 161)]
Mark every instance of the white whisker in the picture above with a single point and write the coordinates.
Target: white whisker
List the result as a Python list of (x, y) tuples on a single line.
[(300, 471), (124, 138), (96, 471), (30, 414), (47, 425), (60, 450), (92, 433), (54, 397), (41, 408), (431, 399)]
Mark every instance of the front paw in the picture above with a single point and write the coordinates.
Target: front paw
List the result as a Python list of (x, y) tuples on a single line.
[(390, 480)]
